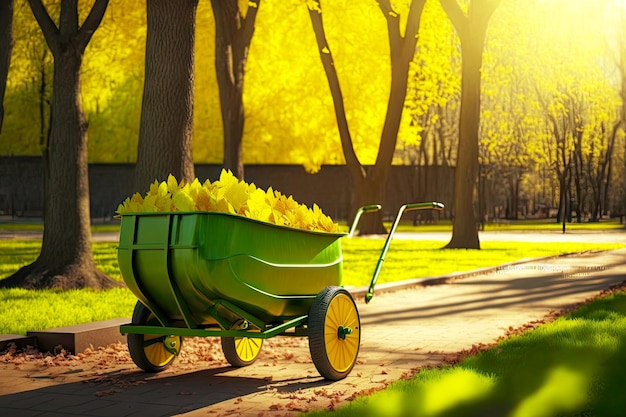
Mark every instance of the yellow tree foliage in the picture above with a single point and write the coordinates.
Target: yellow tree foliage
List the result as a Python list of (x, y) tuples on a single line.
[(289, 113)]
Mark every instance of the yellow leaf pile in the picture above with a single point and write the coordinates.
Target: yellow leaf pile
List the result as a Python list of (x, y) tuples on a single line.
[(228, 195)]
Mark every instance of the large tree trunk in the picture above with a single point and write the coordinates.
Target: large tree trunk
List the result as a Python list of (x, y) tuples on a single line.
[(471, 29), (607, 167), (464, 231), (66, 259), (233, 34), (369, 185), (165, 132), (6, 45), (366, 191)]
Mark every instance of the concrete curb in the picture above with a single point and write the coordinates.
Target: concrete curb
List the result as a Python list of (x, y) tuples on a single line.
[(19, 340), (79, 337)]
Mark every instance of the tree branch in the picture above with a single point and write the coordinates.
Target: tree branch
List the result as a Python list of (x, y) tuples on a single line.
[(91, 23), (248, 23), (393, 25), (315, 14), (455, 14), (486, 8), (48, 28), (6, 46), (68, 20), (415, 15)]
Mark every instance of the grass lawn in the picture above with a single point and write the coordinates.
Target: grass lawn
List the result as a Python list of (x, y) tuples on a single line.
[(570, 367), (423, 258), (24, 310), (513, 225), (37, 226)]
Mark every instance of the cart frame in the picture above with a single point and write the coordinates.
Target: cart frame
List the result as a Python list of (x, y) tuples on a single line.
[(152, 326)]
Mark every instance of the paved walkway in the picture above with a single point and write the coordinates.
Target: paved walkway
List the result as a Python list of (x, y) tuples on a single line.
[(403, 331)]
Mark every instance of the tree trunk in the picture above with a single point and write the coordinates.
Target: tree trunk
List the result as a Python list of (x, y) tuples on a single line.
[(464, 231), (514, 181), (165, 132), (608, 168), (596, 202), (471, 29), (66, 259), (366, 192), (6, 46), (560, 217), (233, 34), (578, 175), (43, 104), (369, 185)]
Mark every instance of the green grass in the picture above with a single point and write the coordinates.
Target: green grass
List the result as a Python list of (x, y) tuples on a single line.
[(418, 258), (22, 227), (27, 310), (571, 367), (15, 253), (513, 225), (37, 226), (36, 310)]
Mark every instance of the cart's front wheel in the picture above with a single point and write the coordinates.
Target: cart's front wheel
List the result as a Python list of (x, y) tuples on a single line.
[(334, 333), (241, 351), (150, 352)]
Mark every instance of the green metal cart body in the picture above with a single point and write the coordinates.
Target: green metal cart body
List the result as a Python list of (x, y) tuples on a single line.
[(182, 265)]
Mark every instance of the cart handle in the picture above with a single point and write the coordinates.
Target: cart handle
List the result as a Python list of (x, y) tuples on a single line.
[(407, 207), (365, 209)]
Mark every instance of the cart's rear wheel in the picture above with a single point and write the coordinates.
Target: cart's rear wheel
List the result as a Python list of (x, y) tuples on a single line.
[(150, 352), (334, 333), (241, 351)]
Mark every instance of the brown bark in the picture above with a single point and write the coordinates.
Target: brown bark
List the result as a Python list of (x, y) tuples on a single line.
[(165, 132), (233, 34), (471, 29), (6, 46), (369, 185), (66, 259)]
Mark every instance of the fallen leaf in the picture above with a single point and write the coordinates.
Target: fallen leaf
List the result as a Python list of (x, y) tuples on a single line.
[(105, 392)]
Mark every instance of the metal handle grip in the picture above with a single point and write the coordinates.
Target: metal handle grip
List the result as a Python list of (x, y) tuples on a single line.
[(365, 209)]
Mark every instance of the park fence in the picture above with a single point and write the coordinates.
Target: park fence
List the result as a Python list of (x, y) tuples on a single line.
[(21, 186)]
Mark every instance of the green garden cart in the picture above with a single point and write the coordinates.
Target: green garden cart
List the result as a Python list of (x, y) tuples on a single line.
[(213, 274)]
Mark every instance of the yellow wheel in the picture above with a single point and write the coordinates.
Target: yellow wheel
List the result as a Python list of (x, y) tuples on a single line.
[(152, 353), (241, 351), (334, 330)]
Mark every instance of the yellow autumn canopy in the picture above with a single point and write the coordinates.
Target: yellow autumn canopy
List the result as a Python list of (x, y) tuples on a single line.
[(228, 195)]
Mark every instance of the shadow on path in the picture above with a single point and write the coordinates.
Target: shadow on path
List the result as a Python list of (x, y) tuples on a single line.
[(509, 293), (138, 393)]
